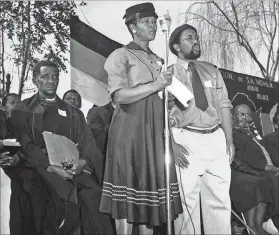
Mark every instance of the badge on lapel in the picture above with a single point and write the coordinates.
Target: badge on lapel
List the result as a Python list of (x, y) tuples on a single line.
[(208, 83), (62, 113)]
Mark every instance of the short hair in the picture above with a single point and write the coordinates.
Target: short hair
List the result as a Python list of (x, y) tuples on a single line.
[(176, 39), (134, 22), (73, 91), (42, 63), (5, 99)]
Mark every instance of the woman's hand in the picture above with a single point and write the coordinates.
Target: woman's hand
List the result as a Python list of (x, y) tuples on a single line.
[(163, 80)]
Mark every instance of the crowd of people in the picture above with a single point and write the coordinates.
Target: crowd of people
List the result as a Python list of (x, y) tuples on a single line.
[(118, 181)]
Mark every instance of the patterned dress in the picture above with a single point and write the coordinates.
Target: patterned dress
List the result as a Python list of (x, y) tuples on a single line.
[(134, 182)]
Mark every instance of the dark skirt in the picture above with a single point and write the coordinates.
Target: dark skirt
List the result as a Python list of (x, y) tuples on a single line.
[(134, 183), (248, 190)]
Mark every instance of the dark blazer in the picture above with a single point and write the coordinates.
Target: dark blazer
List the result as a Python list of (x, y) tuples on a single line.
[(98, 120), (249, 156)]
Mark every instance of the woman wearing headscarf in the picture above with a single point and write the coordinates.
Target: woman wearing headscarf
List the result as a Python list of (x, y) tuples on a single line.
[(134, 189)]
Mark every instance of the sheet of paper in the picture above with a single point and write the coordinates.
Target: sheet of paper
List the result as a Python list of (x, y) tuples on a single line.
[(180, 91)]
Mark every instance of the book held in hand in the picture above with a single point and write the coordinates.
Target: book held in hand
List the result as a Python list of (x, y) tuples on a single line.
[(60, 149), (10, 143)]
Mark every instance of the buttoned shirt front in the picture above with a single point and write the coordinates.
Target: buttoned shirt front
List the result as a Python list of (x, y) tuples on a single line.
[(130, 66), (215, 91)]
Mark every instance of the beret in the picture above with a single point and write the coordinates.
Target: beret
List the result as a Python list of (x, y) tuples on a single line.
[(139, 11), (177, 33)]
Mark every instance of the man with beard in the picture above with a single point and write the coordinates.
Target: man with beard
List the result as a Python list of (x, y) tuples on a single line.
[(45, 111), (202, 140)]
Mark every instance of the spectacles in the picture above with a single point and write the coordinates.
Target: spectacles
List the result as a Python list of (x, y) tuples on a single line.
[(245, 115)]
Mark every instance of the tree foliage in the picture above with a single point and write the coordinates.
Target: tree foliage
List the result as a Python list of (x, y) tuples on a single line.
[(35, 30), (238, 28)]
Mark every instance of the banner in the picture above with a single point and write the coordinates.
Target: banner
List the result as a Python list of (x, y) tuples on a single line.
[(259, 94), (88, 52), (90, 48)]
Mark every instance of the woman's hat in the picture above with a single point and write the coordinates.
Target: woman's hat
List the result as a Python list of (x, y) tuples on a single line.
[(139, 11)]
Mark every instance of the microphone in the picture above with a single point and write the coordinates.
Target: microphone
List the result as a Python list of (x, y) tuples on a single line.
[(165, 22)]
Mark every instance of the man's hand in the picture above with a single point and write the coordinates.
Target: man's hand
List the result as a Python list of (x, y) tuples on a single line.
[(171, 101), (78, 166), (179, 155), (59, 171), (7, 160), (230, 150)]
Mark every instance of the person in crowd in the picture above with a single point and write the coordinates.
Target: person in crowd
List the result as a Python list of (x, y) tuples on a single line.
[(73, 98), (271, 141), (8, 103), (29, 210), (134, 187), (201, 139), (255, 182), (2, 123), (46, 112), (20, 220), (99, 122)]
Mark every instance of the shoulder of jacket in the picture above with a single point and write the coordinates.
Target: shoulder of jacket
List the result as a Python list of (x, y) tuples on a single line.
[(23, 105)]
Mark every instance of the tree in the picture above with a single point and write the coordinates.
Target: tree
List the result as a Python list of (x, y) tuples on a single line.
[(231, 29), (28, 26)]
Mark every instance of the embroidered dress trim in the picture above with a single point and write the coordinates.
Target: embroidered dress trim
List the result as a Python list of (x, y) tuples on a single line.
[(130, 195)]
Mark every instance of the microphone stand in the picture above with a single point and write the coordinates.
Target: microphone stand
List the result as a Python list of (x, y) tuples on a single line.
[(165, 22)]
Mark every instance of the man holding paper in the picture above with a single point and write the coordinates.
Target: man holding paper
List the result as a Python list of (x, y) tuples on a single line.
[(78, 181), (201, 139)]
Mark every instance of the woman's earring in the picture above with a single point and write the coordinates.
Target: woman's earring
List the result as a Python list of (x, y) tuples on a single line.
[(134, 31)]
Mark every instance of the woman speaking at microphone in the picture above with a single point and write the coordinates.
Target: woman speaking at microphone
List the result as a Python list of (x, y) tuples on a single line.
[(134, 190)]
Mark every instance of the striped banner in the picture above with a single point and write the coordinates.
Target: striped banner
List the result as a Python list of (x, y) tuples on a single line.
[(88, 52)]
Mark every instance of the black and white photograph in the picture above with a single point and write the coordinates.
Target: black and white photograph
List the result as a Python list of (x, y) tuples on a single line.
[(139, 117)]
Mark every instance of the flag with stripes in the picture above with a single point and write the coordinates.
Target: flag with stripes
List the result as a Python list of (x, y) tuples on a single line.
[(88, 52)]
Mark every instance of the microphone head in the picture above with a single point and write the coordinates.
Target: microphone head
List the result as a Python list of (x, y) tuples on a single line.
[(165, 22)]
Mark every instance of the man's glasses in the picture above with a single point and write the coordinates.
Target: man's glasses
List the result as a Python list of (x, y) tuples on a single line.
[(245, 115)]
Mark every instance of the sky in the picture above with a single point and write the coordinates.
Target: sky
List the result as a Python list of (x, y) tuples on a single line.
[(107, 18)]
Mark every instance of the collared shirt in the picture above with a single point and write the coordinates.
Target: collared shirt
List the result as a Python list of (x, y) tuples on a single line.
[(215, 90), (130, 66)]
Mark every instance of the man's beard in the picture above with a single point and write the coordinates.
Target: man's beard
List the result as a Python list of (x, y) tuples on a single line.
[(192, 55)]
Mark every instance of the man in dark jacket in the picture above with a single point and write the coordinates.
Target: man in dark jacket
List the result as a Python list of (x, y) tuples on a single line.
[(46, 112), (254, 183), (99, 119), (21, 220)]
